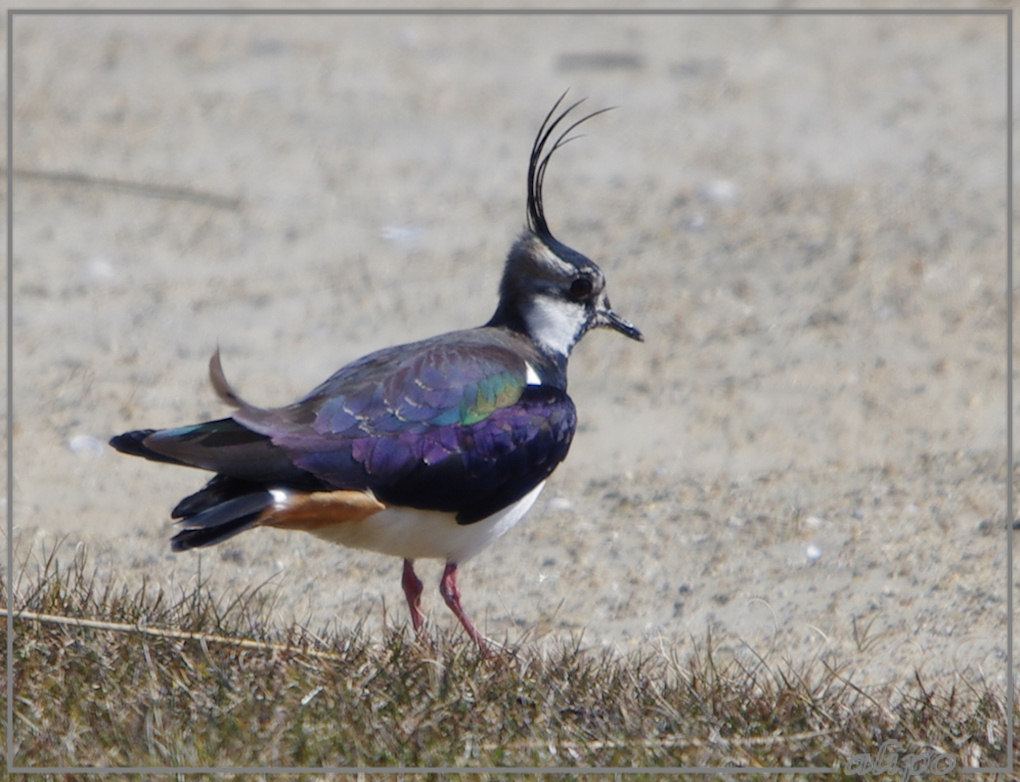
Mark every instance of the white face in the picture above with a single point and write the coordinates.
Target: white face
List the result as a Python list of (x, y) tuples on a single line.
[(555, 323)]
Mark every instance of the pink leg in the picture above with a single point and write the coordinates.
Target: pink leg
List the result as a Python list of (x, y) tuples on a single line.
[(448, 589), (412, 591)]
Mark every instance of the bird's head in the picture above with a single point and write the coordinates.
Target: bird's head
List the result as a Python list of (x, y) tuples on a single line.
[(550, 291)]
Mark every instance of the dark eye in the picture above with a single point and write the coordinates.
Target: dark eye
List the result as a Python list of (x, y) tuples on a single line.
[(580, 288)]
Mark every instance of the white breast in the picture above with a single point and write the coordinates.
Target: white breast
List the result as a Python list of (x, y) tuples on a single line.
[(427, 534)]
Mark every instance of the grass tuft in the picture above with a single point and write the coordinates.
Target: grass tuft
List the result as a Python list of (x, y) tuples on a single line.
[(155, 681)]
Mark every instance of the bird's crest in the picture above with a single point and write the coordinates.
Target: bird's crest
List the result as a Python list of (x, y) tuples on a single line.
[(540, 159)]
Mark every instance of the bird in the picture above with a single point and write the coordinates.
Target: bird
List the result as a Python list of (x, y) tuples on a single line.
[(426, 450)]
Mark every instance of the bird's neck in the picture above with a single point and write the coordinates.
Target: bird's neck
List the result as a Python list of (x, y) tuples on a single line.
[(522, 322)]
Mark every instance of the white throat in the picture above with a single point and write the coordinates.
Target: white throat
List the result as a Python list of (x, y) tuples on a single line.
[(555, 324)]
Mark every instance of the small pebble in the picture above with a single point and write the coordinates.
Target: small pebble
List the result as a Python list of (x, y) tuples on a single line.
[(97, 270), (812, 552), (86, 444), (696, 222), (718, 191), (560, 504), (402, 234)]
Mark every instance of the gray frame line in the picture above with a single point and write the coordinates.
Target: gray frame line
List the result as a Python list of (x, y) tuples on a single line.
[(556, 770), (1010, 685), (422, 770), (509, 11), (9, 651)]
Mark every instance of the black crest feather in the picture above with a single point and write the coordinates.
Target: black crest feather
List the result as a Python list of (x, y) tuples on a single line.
[(540, 160)]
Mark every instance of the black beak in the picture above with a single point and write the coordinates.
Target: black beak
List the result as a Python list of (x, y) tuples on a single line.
[(606, 317)]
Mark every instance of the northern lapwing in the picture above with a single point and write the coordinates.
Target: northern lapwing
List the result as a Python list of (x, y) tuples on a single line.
[(427, 450)]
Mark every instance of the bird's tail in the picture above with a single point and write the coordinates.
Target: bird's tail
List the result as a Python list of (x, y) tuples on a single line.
[(248, 468)]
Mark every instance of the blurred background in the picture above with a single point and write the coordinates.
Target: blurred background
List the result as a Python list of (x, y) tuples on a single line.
[(804, 214)]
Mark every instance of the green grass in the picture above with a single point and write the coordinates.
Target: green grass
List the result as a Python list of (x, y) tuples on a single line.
[(117, 696)]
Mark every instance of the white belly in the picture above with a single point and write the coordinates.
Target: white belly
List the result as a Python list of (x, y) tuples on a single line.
[(427, 534)]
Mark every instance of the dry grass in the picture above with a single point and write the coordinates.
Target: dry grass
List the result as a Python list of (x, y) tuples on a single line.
[(130, 694)]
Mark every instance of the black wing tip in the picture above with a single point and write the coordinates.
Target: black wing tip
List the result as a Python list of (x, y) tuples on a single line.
[(539, 159), (223, 508), (201, 537), (133, 443)]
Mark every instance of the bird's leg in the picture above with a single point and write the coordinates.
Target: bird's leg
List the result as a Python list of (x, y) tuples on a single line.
[(412, 591), (451, 594)]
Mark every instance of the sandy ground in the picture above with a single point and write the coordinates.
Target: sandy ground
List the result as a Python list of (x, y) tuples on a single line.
[(805, 215)]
